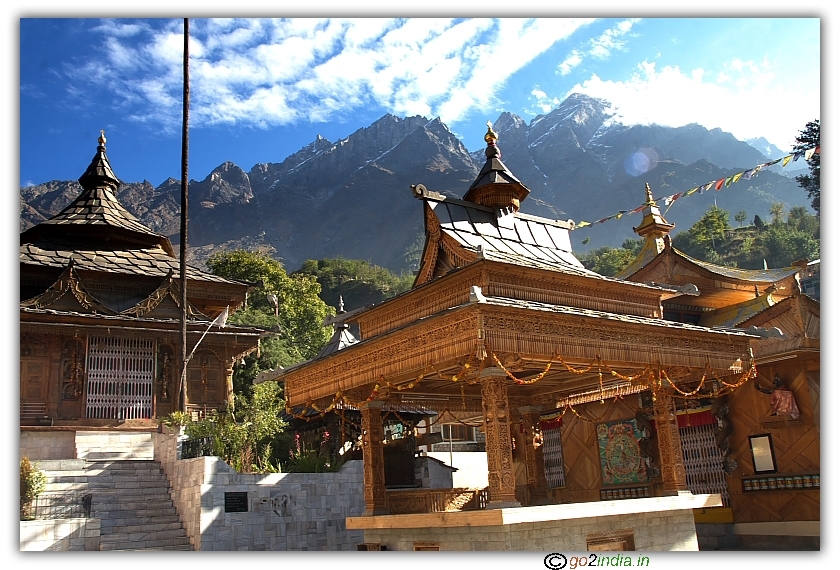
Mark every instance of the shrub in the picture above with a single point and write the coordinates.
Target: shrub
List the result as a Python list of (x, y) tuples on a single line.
[(32, 484)]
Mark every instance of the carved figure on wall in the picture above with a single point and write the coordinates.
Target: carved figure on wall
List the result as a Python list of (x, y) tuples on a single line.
[(645, 447), (720, 410), (782, 401), (165, 363), (72, 370)]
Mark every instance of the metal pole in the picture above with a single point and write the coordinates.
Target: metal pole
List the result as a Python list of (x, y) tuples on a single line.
[(185, 144)]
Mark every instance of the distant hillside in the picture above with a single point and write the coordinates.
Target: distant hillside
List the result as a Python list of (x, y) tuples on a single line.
[(351, 198)]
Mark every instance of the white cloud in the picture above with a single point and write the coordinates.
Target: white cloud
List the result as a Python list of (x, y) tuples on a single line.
[(744, 99), (610, 40), (572, 61), (268, 72)]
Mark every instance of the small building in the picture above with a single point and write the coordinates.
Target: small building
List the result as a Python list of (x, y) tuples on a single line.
[(100, 331)]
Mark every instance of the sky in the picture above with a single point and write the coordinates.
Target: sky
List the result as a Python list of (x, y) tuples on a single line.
[(261, 89)]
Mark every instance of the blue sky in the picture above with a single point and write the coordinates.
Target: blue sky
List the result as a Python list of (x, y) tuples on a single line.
[(261, 89)]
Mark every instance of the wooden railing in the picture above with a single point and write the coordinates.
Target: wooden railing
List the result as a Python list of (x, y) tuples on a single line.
[(412, 501)]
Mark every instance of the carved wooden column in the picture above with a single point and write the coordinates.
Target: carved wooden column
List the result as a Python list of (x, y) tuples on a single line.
[(500, 476), (668, 436), (373, 456), (229, 383), (534, 458)]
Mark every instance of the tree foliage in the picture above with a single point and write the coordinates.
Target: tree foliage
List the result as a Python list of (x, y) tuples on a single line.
[(610, 261), (809, 137), (359, 282), (299, 318), (246, 437)]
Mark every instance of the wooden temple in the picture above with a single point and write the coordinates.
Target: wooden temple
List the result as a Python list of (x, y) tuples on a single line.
[(505, 323), (777, 503), (100, 321)]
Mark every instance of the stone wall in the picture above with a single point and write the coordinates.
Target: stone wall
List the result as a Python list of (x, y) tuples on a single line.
[(652, 531), (36, 444), (286, 511), (59, 535)]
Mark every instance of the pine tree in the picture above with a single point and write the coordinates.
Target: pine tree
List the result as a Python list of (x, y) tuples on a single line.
[(810, 138)]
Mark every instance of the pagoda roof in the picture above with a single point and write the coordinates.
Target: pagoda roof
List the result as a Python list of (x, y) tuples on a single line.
[(341, 339), (141, 262), (477, 231), (96, 215), (751, 275)]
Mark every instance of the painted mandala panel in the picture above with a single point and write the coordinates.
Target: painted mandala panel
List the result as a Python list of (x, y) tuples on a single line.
[(621, 458)]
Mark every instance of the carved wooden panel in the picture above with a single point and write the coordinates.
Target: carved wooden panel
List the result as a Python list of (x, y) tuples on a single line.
[(205, 378), (796, 449), (497, 426), (33, 379)]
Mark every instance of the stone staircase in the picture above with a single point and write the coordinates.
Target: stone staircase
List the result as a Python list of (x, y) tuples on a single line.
[(130, 498)]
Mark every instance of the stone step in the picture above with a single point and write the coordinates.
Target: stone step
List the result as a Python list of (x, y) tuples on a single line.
[(152, 525), (176, 547), (114, 524), (132, 513)]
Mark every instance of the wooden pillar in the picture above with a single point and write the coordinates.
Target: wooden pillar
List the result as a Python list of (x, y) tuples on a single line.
[(534, 458), (229, 383), (668, 436), (373, 456), (500, 475)]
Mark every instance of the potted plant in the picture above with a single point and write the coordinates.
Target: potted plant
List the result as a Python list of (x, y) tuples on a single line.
[(32, 483)]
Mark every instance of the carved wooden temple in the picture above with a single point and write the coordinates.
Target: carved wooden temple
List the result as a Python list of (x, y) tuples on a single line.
[(99, 322), (778, 503), (504, 322)]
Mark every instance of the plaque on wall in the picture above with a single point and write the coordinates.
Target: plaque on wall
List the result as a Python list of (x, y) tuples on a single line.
[(236, 502)]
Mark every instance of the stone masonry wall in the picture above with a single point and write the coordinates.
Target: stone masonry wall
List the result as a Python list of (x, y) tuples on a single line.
[(286, 511), (59, 535), (649, 531), (47, 444)]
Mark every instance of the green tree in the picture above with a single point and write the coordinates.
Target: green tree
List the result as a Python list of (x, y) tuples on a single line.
[(300, 313), (247, 438), (359, 282), (741, 217), (777, 211), (808, 138), (709, 231)]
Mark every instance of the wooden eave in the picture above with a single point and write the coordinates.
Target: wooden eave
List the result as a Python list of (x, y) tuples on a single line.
[(716, 290), (435, 347), (241, 340), (516, 282)]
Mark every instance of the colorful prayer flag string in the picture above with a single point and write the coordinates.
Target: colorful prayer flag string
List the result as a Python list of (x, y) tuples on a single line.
[(718, 185)]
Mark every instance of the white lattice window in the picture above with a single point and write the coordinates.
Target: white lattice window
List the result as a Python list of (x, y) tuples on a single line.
[(703, 461), (555, 471), (121, 374)]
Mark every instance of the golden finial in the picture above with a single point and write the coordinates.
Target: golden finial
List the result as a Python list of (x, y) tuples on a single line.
[(491, 137), (650, 200), (102, 137)]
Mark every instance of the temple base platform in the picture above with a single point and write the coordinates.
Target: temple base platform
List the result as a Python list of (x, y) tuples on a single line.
[(650, 524)]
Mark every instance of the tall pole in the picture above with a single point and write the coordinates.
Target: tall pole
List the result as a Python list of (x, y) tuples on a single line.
[(185, 145)]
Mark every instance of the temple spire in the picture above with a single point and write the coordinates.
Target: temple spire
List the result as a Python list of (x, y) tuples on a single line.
[(99, 173), (653, 225), (495, 185)]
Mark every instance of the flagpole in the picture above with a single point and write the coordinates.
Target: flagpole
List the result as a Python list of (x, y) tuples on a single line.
[(185, 143)]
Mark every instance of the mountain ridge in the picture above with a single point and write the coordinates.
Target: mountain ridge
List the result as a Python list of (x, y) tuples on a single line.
[(351, 197)]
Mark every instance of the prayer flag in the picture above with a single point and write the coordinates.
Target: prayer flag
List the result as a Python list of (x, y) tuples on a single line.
[(692, 191), (771, 163), (719, 184), (728, 181), (583, 224), (809, 153), (637, 209), (786, 160), (737, 177)]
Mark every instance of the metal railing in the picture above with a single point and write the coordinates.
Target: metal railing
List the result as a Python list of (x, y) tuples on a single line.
[(200, 447), (53, 506)]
